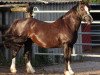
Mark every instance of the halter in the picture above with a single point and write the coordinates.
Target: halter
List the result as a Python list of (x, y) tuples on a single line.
[(82, 17)]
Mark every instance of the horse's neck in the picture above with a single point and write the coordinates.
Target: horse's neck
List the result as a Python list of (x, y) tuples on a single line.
[(59, 22), (72, 20)]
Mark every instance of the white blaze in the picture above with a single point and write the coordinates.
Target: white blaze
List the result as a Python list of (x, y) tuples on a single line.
[(86, 9)]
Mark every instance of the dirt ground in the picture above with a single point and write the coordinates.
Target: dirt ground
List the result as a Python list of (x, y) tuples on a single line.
[(80, 68)]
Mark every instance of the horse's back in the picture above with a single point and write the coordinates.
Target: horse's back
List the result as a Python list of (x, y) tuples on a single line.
[(42, 33), (16, 33)]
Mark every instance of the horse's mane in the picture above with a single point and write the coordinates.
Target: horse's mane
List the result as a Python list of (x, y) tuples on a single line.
[(73, 8)]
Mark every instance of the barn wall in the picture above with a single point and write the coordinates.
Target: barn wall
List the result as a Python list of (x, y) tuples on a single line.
[(52, 16), (11, 16)]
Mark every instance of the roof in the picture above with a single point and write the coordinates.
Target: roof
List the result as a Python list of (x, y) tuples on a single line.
[(38, 1)]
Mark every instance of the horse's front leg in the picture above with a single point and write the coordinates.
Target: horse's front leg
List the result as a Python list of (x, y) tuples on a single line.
[(15, 49), (29, 67), (67, 57), (27, 54), (13, 64)]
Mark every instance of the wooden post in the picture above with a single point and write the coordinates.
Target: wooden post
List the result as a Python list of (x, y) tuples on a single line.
[(27, 8)]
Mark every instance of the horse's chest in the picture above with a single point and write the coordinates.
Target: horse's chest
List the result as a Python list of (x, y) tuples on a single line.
[(68, 37)]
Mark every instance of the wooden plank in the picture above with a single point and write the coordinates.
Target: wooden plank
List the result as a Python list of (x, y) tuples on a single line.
[(19, 9), (13, 5)]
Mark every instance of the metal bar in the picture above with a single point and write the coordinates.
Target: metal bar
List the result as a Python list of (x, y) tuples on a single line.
[(62, 11), (88, 33), (95, 11), (86, 55), (95, 35), (95, 30), (91, 44), (96, 40), (48, 53), (51, 11), (94, 22), (61, 54)]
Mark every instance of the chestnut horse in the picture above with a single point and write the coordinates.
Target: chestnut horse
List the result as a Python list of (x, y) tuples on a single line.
[(61, 33)]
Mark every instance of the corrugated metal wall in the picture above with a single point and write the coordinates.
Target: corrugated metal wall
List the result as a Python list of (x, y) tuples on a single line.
[(48, 7), (11, 16)]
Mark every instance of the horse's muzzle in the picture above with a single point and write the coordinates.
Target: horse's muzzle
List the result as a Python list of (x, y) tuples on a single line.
[(88, 19)]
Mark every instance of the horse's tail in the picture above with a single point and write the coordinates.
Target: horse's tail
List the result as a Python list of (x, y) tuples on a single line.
[(10, 29), (7, 36)]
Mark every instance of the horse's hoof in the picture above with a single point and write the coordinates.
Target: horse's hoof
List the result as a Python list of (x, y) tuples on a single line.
[(30, 70), (13, 71), (68, 73), (71, 72)]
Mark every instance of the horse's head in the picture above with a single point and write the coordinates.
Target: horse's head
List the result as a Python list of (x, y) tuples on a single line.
[(83, 10)]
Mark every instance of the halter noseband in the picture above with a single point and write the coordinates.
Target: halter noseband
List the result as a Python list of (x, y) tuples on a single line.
[(78, 11)]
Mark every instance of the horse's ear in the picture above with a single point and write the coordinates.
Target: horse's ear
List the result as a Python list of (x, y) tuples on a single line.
[(84, 2)]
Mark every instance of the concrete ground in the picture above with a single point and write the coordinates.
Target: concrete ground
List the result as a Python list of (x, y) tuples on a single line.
[(80, 68)]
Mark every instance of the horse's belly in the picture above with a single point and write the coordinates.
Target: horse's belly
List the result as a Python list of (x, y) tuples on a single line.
[(45, 42)]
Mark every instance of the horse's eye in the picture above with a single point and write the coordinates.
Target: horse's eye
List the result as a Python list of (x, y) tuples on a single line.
[(82, 8)]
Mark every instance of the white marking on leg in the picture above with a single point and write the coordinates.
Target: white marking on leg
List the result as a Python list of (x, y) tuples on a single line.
[(70, 69), (13, 66), (67, 73), (29, 68)]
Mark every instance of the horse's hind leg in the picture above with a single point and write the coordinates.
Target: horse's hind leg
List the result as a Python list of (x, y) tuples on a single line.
[(27, 53), (15, 49)]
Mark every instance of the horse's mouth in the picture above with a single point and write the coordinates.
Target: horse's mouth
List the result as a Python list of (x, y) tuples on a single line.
[(88, 20)]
